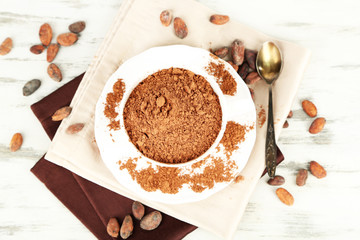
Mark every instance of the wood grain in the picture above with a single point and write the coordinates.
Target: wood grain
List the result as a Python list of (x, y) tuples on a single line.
[(324, 208)]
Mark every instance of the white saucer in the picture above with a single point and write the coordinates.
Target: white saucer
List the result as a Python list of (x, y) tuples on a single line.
[(115, 145)]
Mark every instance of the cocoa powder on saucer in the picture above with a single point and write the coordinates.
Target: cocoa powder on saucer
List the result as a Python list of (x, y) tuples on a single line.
[(112, 101), (173, 116), (225, 80), (214, 169)]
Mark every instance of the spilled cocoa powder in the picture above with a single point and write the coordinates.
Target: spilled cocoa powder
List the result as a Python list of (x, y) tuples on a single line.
[(239, 178), (112, 102), (214, 169), (173, 116), (261, 116), (234, 134), (225, 80)]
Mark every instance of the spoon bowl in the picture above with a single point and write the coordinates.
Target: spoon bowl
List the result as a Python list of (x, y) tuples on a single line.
[(269, 62)]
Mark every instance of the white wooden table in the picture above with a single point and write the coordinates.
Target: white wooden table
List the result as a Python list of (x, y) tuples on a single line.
[(324, 209)]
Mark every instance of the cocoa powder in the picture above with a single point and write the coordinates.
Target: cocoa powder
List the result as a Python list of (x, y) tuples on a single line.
[(261, 117), (215, 169), (112, 101), (225, 80), (234, 134), (173, 116)]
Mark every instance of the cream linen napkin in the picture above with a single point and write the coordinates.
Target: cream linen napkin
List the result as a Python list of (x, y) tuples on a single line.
[(136, 28)]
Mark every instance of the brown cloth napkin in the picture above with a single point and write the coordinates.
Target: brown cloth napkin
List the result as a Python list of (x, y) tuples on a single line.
[(92, 204)]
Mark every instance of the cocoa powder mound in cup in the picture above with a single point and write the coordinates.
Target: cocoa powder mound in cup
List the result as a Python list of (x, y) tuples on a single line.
[(173, 116)]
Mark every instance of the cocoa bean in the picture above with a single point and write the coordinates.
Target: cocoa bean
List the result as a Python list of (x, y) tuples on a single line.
[(67, 39), (151, 221), (6, 46), (309, 108), (237, 52), (236, 67), (61, 113), (285, 196), (127, 227), (290, 115), (165, 18), (222, 52), (113, 227), (250, 56), (45, 34), (37, 49), (16, 142), (75, 128), (301, 177), (317, 125), (181, 30), (252, 78), (286, 124), (54, 72), (252, 93), (31, 86), (77, 27), (317, 170), (52, 51), (138, 210), (243, 70), (276, 181), (219, 19)]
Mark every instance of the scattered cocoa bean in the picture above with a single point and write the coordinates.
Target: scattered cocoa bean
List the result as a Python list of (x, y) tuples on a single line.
[(285, 196), (165, 18), (250, 56), (138, 210), (180, 28), (52, 51), (237, 52), (113, 227), (252, 78), (67, 39), (37, 49), (75, 128), (222, 52), (309, 108), (317, 170), (151, 221), (290, 115), (219, 19), (16, 142), (286, 124), (243, 70), (317, 125), (276, 181), (31, 86), (127, 227), (6, 46), (236, 67), (54, 72), (61, 113), (252, 93), (77, 27), (45, 34), (301, 177)]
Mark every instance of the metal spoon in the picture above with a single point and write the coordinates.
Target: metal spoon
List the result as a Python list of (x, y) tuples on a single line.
[(268, 65)]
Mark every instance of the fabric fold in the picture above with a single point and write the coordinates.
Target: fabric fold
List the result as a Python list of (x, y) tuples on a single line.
[(92, 204)]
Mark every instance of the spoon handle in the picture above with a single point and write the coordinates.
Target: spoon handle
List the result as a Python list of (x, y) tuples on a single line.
[(270, 145)]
